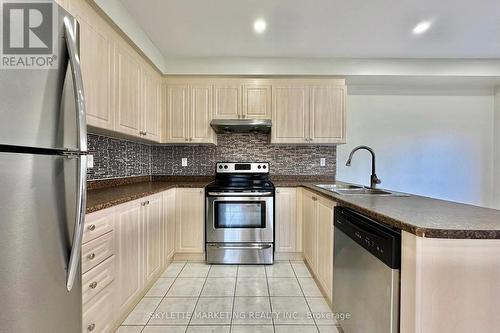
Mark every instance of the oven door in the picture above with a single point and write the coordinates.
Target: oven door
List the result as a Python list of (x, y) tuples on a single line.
[(240, 218)]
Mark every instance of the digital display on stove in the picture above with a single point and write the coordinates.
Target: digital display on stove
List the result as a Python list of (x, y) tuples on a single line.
[(239, 167)]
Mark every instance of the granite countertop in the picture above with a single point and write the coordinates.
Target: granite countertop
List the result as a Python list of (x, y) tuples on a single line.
[(422, 216), (115, 192)]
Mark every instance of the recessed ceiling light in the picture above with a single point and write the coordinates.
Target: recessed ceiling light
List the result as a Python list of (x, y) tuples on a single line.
[(422, 27), (259, 26)]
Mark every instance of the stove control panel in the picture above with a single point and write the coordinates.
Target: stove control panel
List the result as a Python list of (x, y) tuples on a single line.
[(232, 167)]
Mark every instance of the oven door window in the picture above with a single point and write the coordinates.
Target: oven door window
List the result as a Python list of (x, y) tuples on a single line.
[(239, 214)]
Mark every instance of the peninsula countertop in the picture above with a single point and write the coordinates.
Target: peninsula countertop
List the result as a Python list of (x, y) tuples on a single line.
[(422, 216)]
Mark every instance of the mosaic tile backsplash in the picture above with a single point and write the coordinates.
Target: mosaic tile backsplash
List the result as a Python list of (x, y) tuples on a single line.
[(114, 158)]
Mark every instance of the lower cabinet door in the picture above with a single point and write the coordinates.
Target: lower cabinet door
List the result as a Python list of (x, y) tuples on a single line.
[(324, 270), (168, 225), (98, 314), (286, 220), (190, 220), (129, 266), (309, 228), (152, 237)]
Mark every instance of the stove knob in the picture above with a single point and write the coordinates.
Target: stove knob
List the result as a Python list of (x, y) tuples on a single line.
[(220, 166), (259, 167), (265, 167), (225, 166)]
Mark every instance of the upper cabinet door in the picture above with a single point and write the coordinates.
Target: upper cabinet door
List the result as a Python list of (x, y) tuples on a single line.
[(290, 114), (177, 118), (152, 106), (201, 114), (97, 60), (327, 116), (257, 101), (128, 92), (227, 101)]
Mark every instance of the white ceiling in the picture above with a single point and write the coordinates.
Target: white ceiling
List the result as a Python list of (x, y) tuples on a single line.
[(321, 28)]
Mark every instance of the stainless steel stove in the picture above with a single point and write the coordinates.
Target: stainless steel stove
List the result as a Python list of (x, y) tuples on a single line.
[(240, 215)]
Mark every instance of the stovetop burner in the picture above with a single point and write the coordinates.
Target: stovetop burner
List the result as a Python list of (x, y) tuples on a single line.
[(231, 176)]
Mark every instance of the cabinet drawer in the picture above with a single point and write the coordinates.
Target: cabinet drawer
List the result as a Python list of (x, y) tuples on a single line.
[(97, 279), (97, 224), (96, 251), (98, 313)]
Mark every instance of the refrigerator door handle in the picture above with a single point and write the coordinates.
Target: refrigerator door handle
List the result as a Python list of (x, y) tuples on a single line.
[(74, 257), (72, 36)]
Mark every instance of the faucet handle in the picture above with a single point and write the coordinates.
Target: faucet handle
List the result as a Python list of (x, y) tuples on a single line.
[(375, 179)]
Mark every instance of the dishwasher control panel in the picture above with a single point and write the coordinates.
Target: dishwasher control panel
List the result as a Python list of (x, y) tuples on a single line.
[(382, 241)]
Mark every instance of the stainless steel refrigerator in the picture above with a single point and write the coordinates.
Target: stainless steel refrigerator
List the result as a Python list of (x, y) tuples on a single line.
[(43, 146)]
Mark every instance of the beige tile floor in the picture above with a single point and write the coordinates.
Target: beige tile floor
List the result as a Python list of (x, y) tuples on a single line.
[(192, 297)]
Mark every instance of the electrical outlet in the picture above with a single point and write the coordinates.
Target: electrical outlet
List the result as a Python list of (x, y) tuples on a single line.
[(184, 162), (90, 161), (322, 162)]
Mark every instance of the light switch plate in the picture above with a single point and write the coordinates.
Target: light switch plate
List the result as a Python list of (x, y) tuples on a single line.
[(322, 162), (184, 162), (90, 161)]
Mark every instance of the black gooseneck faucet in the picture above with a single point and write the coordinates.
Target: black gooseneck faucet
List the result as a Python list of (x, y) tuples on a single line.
[(374, 180)]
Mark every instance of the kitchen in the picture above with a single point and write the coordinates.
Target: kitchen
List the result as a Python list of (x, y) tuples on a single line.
[(261, 174)]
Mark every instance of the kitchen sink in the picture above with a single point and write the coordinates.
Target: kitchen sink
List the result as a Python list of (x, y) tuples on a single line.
[(333, 187), (348, 189)]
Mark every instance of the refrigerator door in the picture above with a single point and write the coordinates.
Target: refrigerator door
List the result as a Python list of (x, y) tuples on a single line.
[(43, 108), (39, 233)]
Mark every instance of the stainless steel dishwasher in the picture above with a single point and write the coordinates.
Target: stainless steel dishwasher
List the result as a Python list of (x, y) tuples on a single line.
[(366, 278)]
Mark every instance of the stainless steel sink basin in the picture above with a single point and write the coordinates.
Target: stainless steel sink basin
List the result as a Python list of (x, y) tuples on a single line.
[(349, 189), (362, 191), (333, 187)]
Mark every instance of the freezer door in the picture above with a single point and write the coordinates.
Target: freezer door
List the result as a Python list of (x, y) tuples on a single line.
[(44, 108), (38, 205)]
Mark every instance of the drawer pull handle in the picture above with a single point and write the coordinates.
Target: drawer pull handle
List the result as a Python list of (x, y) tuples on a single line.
[(91, 256), (92, 227), (93, 285), (91, 327)]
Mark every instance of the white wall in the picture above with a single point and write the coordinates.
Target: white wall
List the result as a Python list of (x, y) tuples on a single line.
[(496, 147), (437, 146)]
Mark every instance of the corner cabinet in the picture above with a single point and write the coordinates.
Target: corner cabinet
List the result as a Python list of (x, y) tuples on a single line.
[(317, 221), (189, 113), (308, 112)]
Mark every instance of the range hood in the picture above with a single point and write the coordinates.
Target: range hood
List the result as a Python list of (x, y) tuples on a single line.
[(241, 126)]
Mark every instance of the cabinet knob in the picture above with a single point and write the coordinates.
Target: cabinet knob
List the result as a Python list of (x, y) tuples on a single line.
[(190, 139), (92, 227), (186, 139), (93, 285), (91, 256), (91, 327)]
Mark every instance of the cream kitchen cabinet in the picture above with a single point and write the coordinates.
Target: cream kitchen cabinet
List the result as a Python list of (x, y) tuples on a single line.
[(189, 112), (152, 227), (286, 226), (290, 114), (169, 212), (318, 238), (151, 104), (309, 224), (241, 98), (257, 103), (308, 113), (324, 241), (327, 114), (227, 100), (189, 225), (97, 61), (128, 91), (129, 253)]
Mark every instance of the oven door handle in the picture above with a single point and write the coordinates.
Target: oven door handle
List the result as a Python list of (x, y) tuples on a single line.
[(240, 194), (244, 246)]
